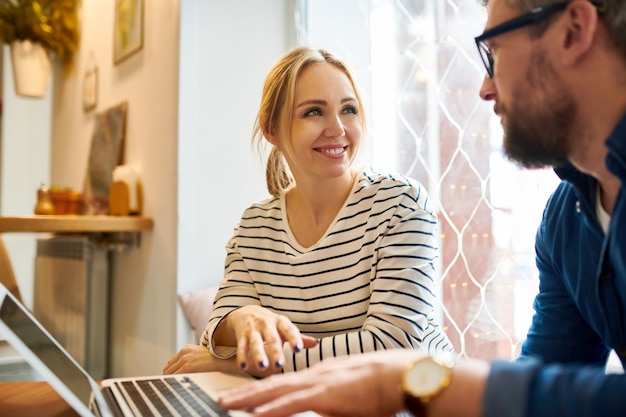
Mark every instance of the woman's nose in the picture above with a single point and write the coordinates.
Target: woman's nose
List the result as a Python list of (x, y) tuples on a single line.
[(334, 127)]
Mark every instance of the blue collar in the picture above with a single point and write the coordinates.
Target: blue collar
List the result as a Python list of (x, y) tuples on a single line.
[(615, 162)]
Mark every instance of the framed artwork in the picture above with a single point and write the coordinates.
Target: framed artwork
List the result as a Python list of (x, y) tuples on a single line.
[(90, 89), (107, 151), (128, 32)]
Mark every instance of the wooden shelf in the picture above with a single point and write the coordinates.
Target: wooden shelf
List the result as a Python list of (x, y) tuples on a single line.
[(75, 224)]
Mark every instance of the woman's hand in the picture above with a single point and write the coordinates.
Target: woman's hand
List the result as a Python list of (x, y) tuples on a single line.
[(259, 335), (197, 358)]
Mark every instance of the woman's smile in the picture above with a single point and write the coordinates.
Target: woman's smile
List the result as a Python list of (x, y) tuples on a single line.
[(333, 151)]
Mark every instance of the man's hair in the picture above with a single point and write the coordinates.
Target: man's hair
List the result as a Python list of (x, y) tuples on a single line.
[(613, 12)]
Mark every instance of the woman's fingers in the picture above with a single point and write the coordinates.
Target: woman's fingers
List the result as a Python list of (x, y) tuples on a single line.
[(274, 348), (290, 334), (191, 358), (242, 352), (256, 351), (260, 347), (261, 335), (309, 342)]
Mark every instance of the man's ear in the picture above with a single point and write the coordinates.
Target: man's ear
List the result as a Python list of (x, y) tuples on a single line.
[(580, 29)]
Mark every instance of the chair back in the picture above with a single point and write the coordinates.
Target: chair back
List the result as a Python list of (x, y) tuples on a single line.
[(7, 276)]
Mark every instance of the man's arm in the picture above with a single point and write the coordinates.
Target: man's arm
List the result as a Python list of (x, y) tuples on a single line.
[(360, 385), (370, 385), (562, 327)]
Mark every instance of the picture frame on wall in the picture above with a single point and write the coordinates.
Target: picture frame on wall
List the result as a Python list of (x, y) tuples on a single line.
[(128, 31), (90, 89), (107, 152)]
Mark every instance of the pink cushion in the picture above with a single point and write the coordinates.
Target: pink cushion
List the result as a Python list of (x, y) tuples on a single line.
[(197, 306)]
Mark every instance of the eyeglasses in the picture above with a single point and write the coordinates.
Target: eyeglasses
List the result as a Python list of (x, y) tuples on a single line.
[(530, 18)]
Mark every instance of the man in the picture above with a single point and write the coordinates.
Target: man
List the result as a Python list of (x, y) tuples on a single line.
[(557, 74)]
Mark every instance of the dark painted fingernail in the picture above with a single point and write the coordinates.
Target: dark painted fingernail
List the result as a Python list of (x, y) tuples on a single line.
[(279, 363), (243, 365), (297, 347), (263, 364)]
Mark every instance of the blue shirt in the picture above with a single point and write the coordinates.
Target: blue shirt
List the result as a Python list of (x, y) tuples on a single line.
[(580, 310)]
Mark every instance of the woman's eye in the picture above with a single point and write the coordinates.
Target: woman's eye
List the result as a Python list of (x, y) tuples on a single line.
[(351, 110), (312, 112)]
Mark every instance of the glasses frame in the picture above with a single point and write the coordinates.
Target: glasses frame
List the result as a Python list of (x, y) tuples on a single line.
[(533, 17)]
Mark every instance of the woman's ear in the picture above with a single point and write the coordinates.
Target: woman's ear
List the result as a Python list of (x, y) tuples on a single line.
[(271, 138)]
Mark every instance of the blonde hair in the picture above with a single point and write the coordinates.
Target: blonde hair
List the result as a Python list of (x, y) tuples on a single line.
[(277, 102)]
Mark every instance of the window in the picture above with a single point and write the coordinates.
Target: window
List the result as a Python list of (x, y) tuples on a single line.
[(417, 66)]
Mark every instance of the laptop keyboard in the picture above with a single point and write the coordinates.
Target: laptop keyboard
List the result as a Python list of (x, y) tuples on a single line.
[(171, 398)]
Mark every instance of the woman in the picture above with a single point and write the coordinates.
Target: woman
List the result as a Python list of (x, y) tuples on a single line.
[(339, 260)]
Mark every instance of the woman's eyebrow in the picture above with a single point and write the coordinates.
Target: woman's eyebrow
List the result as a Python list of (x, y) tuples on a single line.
[(310, 102), (321, 102)]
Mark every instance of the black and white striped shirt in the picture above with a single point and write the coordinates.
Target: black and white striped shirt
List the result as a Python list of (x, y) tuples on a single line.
[(367, 284)]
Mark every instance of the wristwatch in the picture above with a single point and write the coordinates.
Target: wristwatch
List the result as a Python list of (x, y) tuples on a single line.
[(422, 380)]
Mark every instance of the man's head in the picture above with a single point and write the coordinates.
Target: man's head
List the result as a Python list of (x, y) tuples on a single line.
[(534, 52), (613, 12)]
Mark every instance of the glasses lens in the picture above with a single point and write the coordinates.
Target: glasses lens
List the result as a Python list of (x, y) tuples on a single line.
[(485, 55)]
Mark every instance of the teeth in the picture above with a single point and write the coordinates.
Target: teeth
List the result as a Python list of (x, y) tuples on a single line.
[(332, 151)]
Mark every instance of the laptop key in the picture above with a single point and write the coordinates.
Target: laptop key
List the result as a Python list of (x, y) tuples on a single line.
[(186, 396), (148, 387), (136, 397), (169, 391), (210, 402)]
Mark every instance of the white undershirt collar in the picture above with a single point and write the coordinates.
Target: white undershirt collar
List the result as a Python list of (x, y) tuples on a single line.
[(603, 217)]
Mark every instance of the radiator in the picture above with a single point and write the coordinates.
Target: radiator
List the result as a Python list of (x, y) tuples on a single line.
[(71, 297)]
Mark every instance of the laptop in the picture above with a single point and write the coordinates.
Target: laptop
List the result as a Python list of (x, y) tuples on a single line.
[(163, 395)]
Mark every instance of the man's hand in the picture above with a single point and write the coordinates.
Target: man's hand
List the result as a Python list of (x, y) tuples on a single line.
[(360, 385)]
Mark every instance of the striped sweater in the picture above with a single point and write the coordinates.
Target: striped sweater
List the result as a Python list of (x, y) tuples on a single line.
[(367, 284)]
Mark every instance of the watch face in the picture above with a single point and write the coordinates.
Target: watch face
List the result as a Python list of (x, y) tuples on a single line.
[(426, 378)]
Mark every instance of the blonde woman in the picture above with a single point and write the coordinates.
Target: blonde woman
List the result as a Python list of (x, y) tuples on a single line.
[(339, 260)]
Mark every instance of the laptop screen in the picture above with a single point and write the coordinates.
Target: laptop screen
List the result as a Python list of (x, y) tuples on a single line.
[(41, 344)]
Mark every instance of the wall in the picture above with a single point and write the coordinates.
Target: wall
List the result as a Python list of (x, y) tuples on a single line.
[(227, 48), (192, 92), (24, 166), (143, 287)]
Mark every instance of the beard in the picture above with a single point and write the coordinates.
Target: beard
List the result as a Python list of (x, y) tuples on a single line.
[(538, 124)]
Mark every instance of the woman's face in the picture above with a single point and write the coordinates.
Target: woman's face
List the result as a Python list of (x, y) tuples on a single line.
[(326, 128)]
